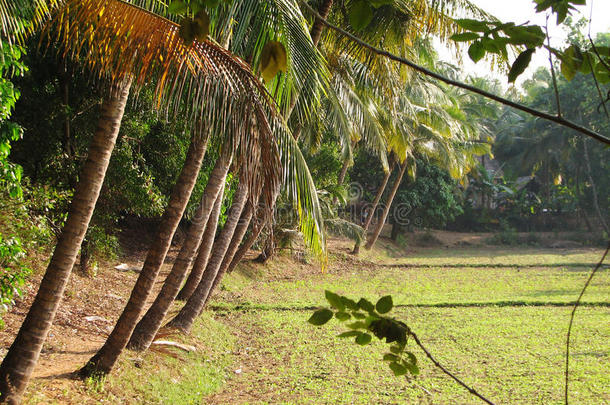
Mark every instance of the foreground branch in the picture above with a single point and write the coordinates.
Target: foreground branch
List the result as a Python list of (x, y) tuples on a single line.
[(540, 114), (444, 370), (576, 304)]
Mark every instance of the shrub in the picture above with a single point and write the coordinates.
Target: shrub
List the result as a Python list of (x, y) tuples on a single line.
[(12, 271)]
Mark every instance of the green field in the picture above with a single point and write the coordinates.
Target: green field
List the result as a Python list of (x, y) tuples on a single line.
[(501, 329)]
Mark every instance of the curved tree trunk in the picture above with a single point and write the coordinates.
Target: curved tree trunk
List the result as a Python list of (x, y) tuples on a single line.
[(244, 248), (106, 357), (341, 177), (316, 29), (373, 207), (207, 240), (22, 356), (147, 328), (268, 250), (386, 209), (185, 318), (238, 236)]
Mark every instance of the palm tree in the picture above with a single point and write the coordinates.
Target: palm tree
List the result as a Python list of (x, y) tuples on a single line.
[(21, 358), (203, 254), (238, 236), (374, 204), (193, 307), (147, 327), (114, 49)]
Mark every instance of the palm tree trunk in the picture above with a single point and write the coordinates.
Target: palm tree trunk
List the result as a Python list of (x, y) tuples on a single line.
[(105, 358), (602, 220), (373, 207), (386, 209), (238, 236), (341, 177), (205, 248), (244, 248), (150, 323), (316, 29), (185, 318), (22, 356)]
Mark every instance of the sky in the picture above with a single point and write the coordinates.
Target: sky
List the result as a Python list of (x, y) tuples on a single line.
[(522, 11)]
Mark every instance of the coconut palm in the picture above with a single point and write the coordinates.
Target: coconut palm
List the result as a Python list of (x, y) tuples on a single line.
[(430, 125), (21, 357), (194, 305), (147, 327), (122, 43), (203, 254)]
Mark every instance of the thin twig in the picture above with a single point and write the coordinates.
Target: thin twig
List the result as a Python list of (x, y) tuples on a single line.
[(455, 83), (576, 304), (444, 370), (548, 41), (603, 62), (599, 91)]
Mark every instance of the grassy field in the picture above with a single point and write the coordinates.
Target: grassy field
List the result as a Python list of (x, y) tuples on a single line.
[(495, 317)]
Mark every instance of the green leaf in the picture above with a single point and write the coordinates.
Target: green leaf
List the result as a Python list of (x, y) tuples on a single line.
[(472, 25), (334, 300), (366, 305), (358, 315), (396, 349), (476, 51), (321, 316), (531, 35), (357, 325), (588, 63), (360, 15), (568, 70), (177, 7), (464, 37), (349, 303), (602, 73), (494, 45), (390, 357), (342, 316), (411, 357), (398, 369), (384, 305), (412, 367), (520, 64), (364, 339)]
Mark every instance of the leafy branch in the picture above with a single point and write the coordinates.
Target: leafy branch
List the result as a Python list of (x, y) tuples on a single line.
[(367, 320), (518, 106)]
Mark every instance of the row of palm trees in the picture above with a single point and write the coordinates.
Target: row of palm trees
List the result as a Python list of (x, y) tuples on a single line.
[(328, 85)]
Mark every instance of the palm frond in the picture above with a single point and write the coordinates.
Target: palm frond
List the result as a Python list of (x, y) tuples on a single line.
[(250, 24), (342, 227), (301, 190), (19, 18)]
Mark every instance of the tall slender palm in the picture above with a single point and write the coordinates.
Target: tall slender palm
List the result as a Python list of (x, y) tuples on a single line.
[(373, 207), (207, 241), (193, 307), (238, 236), (146, 329), (114, 49), (22, 356)]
